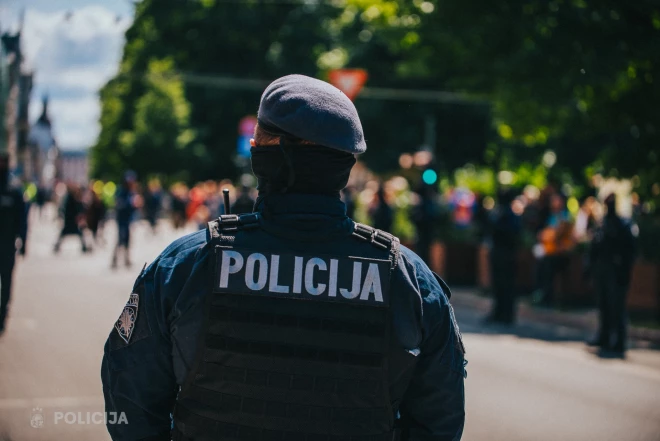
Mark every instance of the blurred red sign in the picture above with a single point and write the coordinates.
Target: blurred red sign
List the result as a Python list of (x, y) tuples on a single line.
[(246, 126), (349, 81)]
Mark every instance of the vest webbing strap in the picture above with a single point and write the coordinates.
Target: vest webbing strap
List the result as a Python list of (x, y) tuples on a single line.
[(380, 239), (230, 223)]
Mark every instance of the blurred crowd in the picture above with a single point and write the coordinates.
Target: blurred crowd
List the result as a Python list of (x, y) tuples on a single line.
[(546, 221), (83, 210), (556, 229)]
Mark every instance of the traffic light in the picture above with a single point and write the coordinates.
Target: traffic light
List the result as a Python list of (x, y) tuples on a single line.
[(430, 176)]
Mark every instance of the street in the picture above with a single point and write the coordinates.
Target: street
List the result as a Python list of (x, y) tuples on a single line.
[(530, 383)]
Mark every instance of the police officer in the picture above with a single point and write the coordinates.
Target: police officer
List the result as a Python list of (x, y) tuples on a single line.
[(292, 322), (12, 210)]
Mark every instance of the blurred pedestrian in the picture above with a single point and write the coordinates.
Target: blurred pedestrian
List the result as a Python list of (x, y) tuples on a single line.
[(72, 212), (12, 208), (27, 204), (201, 216), (544, 205), (95, 215), (586, 220), (40, 199), (425, 216), (555, 241), (125, 205), (504, 228), (196, 198), (153, 200), (178, 205), (382, 215), (244, 202), (612, 258), (213, 199), (480, 219)]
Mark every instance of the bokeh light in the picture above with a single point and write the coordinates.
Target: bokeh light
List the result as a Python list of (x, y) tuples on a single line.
[(406, 160), (429, 177), (549, 159), (505, 177), (422, 158), (109, 189)]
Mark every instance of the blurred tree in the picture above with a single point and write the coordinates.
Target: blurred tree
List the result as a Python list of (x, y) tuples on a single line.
[(217, 47), (580, 73), (119, 97), (161, 126), (573, 76)]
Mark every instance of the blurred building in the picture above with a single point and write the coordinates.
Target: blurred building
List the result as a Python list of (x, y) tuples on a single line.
[(73, 166), (42, 150), (9, 94), (16, 87)]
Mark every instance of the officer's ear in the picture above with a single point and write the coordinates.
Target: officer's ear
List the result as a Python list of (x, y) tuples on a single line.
[(252, 142)]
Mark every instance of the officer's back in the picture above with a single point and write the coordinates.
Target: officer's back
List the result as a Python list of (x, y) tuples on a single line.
[(292, 322)]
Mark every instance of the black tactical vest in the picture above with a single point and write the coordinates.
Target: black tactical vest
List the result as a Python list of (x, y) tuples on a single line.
[(295, 343)]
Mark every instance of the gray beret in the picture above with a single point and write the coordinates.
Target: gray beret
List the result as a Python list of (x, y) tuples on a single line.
[(312, 110)]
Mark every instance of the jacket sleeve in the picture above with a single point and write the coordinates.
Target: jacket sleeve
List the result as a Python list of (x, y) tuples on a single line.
[(138, 380), (433, 407)]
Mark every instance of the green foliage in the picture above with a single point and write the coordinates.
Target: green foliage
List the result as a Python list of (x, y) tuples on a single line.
[(158, 137), (530, 174), (205, 42), (573, 76), (579, 72), (402, 227), (160, 124), (480, 180)]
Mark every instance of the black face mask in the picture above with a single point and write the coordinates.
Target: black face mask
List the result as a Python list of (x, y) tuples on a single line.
[(301, 168)]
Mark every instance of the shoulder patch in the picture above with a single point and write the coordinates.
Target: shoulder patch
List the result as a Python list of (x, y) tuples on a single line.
[(133, 322), (126, 322)]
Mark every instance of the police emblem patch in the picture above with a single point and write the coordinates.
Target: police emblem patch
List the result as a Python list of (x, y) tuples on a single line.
[(126, 322)]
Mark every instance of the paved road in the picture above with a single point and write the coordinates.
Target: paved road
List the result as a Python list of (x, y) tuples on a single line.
[(529, 383)]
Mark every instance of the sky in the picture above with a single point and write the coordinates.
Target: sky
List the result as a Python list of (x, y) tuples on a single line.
[(73, 47)]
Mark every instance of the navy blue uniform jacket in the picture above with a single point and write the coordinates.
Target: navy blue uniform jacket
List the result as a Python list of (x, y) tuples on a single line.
[(142, 377)]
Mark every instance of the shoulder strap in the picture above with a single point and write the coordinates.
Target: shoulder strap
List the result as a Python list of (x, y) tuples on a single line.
[(380, 239), (231, 223)]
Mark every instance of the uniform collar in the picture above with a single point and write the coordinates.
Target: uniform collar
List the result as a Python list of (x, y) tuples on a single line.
[(283, 204), (304, 217)]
